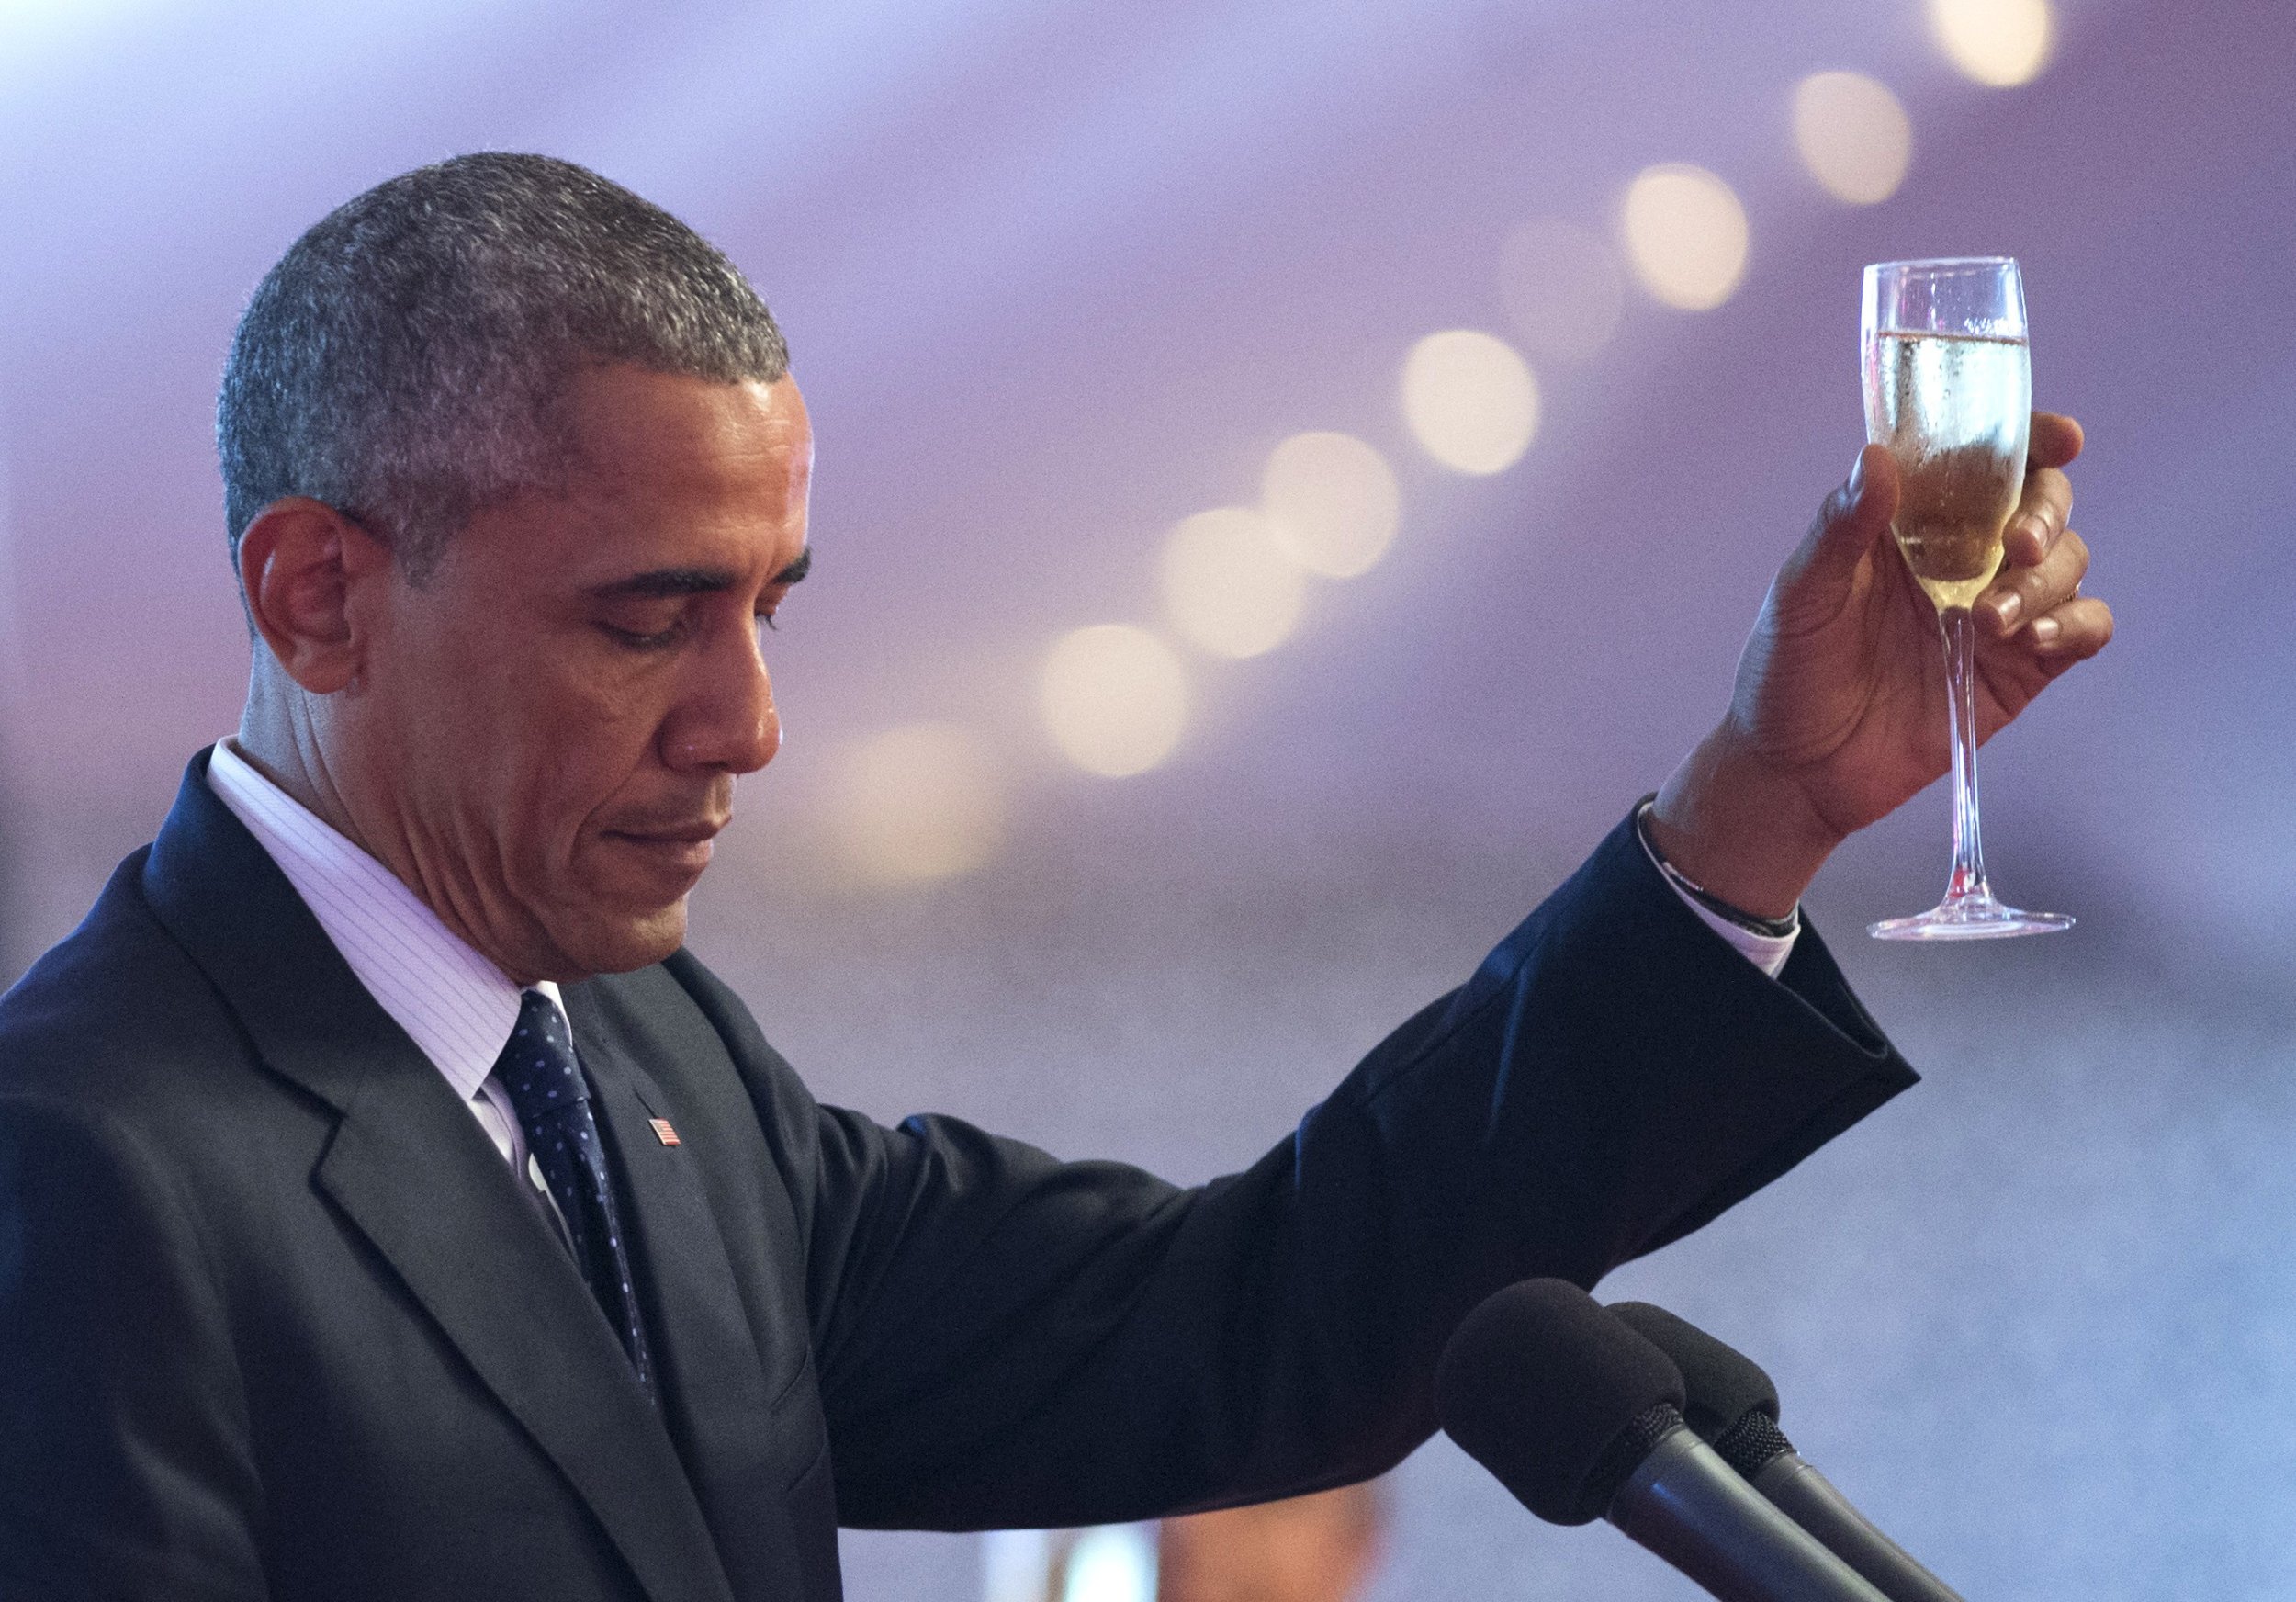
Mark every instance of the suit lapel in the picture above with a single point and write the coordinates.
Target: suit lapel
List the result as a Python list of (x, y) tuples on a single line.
[(412, 1171), (712, 1379), (484, 1265)]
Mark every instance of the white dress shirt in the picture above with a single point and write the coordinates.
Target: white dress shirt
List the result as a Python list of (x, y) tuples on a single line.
[(457, 1007)]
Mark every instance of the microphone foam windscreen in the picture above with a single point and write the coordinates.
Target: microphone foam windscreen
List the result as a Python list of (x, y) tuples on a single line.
[(1536, 1385), (1724, 1385)]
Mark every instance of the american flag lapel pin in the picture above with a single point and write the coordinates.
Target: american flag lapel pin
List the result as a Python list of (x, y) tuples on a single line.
[(662, 1131)]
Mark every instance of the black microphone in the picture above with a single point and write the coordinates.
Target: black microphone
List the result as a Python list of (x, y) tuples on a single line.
[(1733, 1405), (1581, 1419)]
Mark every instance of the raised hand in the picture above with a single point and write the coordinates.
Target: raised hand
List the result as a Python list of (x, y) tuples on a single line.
[(1839, 711)]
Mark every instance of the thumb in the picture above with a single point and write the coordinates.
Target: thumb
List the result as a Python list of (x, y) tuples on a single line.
[(1851, 519)]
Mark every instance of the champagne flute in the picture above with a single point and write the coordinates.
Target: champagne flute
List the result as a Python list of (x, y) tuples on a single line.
[(1949, 390)]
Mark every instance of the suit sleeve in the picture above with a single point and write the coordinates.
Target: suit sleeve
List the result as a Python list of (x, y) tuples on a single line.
[(125, 1471), (1006, 1339)]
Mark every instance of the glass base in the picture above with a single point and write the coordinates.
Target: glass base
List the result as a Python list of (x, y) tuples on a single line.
[(1969, 918)]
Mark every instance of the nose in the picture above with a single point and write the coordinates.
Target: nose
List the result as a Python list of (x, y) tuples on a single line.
[(725, 721)]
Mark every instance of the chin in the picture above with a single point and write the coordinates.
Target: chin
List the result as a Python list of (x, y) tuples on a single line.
[(607, 945)]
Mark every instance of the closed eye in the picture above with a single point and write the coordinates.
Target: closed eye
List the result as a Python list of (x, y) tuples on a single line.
[(631, 639), (792, 574)]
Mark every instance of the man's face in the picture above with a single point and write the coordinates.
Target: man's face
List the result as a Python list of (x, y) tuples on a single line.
[(547, 729)]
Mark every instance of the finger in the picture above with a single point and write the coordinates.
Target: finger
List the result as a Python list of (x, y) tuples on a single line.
[(2054, 442), (2071, 633), (1849, 523), (2040, 517), (2031, 592)]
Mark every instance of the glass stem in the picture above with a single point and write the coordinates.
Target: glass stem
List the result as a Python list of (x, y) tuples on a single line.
[(1961, 699)]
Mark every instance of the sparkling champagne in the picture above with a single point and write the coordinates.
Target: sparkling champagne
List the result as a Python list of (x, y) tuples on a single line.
[(1949, 392), (1954, 410)]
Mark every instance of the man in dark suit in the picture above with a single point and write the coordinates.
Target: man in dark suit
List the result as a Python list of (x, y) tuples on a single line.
[(390, 1209)]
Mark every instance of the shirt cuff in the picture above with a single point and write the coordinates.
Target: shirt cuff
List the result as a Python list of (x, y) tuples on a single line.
[(1767, 952)]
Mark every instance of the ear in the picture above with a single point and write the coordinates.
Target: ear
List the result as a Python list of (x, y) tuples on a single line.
[(304, 567)]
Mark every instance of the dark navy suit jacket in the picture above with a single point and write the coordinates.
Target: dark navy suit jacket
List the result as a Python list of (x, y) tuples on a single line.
[(275, 1321)]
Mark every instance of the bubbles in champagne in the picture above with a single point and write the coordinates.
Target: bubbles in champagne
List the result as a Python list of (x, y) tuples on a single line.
[(1954, 410)]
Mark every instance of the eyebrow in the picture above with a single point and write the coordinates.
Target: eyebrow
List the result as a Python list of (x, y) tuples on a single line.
[(669, 583)]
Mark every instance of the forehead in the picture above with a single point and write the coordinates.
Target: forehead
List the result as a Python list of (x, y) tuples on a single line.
[(669, 438), (666, 472)]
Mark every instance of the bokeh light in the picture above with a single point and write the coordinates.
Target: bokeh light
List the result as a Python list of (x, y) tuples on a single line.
[(923, 801), (1229, 585), (1854, 137), (1563, 288), (1015, 1564), (1686, 235), (1331, 502), (1115, 698), (1997, 42), (1115, 1563), (1470, 401)]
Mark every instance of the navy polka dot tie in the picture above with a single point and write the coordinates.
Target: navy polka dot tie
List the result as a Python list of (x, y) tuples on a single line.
[(546, 1084)]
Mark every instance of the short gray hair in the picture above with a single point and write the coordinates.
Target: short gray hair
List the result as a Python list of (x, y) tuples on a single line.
[(404, 361)]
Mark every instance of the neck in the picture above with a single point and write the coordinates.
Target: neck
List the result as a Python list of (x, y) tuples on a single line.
[(281, 731)]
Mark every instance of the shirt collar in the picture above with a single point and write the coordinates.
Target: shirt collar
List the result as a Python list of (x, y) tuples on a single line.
[(457, 1007)]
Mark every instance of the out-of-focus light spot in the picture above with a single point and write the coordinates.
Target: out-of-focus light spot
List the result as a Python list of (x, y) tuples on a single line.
[(1853, 135), (1470, 401), (1331, 502), (1997, 42), (1229, 586), (1563, 288), (1114, 697), (920, 802), (1014, 1564), (1112, 1563), (1686, 235)]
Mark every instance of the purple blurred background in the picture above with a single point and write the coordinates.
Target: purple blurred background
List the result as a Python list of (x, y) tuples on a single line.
[(1056, 277)]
